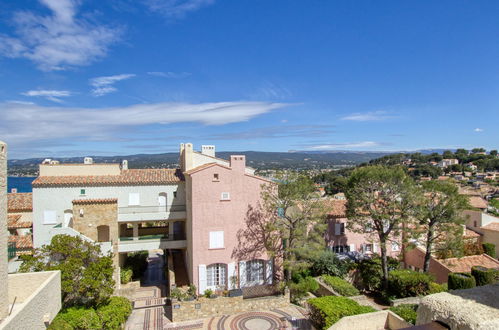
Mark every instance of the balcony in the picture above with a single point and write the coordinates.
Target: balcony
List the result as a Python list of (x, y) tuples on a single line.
[(151, 213), (151, 242)]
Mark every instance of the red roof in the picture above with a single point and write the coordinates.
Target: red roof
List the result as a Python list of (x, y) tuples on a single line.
[(14, 223), (96, 201), (471, 234), (478, 202), (464, 264), (127, 177), (492, 226), (22, 242), (337, 207), (19, 202)]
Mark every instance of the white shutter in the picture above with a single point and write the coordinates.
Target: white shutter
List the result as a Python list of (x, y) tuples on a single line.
[(67, 219), (202, 278), (269, 271), (375, 247), (242, 274), (133, 199), (216, 239), (337, 228), (231, 273), (352, 247), (49, 217)]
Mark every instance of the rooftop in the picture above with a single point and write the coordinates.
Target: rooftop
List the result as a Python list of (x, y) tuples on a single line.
[(96, 201), (492, 226), (19, 202), (14, 223), (464, 264), (478, 202)]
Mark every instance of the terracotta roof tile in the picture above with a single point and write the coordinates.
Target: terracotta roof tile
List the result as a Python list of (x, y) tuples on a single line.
[(464, 264), (14, 223), (22, 242), (127, 177), (471, 233), (492, 226), (338, 207), (19, 202), (96, 201), (478, 202)]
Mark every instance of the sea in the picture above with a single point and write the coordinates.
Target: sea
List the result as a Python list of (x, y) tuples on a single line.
[(21, 183)]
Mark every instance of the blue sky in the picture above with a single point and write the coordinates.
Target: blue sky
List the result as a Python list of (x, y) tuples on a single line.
[(124, 76)]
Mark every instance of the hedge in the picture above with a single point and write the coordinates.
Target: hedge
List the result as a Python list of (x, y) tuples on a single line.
[(436, 288), (325, 311), (339, 285), (408, 283), (490, 249), (482, 275), (114, 314), (300, 289), (406, 311), (81, 318), (459, 281)]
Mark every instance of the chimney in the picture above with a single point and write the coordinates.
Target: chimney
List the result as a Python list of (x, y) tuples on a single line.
[(186, 161), (124, 164), (238, 163), (13, 190), (208, 150)]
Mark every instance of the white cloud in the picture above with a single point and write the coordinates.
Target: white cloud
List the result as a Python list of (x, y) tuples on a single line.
[(52, 95), (173, 75), (478, 130), (177, 8), (62, 124), (368, 116), (332, 146), (59, 40), (104, 85)]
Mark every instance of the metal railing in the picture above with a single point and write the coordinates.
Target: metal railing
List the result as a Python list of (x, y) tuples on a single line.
[(175, 237), (150, 209)]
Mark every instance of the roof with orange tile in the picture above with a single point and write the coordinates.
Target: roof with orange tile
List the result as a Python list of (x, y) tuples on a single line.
[(471, 233), (464, 264), (127, 177), (478, 202), (337, 207), (19, 202), (22, 242), (96, 201), (14, 223), (494, 226)]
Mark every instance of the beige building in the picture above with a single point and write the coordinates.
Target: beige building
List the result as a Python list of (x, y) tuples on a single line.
[(28, 300), (486, 225)]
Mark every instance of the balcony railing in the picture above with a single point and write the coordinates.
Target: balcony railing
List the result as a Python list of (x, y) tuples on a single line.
[(150, 209), (175, 237)]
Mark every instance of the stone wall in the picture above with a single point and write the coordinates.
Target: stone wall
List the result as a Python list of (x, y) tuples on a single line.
[(3, 232), (376, 320), (403, 301), (208, 307)]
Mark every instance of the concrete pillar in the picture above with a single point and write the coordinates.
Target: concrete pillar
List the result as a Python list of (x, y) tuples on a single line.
[(135, 231), (4, 289), (170, 230)]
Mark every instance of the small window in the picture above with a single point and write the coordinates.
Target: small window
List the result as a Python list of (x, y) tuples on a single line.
[(175, 194), (474, 224), (369, 247), (49, 217), (133, 199), (82, 191), (225, 196), (215, 177), (216, 239)]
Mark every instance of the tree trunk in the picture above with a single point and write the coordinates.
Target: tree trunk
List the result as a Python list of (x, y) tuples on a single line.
[(384, 263), (429, 243)]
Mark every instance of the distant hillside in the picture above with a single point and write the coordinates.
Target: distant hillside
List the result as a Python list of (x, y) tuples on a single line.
[(256, 159)]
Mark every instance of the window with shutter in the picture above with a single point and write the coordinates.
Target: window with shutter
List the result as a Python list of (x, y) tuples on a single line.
[(49, 217), (216, 239)]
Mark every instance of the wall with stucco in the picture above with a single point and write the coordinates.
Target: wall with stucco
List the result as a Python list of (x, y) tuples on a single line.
[(79, 169), (376, 320), (3, 231), (415, 257)]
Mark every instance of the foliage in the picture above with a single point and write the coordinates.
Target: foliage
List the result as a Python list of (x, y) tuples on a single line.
[(406, 311), (482, 275), (404, 283), (327, 263), (114, 314), (381, 198), (192, 290), (126, 275), (86, 275), (325, 311), (59, 324), (208, 293), (457, 281), (340, 285), (437, 288), (490, 249), (81, 318), (137, 261), (471, 248), (299, 290), (371, 272)]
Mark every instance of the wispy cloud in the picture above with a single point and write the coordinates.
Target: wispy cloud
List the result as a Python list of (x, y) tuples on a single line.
[(273, 132), (52, 95), (173, 75), (59, 40), (478, 130), (271, 91), (368, 116), (104, 85), (348, 145), (176, 8), (57, 124)]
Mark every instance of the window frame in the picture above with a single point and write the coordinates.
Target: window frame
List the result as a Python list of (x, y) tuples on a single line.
[(222, 198), (216, 275)]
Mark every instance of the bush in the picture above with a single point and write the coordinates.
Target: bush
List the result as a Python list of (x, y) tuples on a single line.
[(482, 275), (81, 318), (115, 313), (137, 261), (59, 324), (300, 289), (126, 275), (340, 286), (459, 281), (371, 272), (325, 311), (406, 311), (208, 293), (437, 288), (407, 283), (489, 249), (327, 263)]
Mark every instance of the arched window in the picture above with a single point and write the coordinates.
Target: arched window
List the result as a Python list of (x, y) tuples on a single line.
[(216, 275), (103, 233), (162, 199)]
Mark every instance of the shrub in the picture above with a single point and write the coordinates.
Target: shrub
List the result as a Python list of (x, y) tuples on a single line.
[(482, 275), (407, 283), (340, 285), (489, 249), (300, 289), (208, 293), (115, 313), (325, 311), (59, 324), (371, 272), (81, 318), (126, 275), (137, 261), (327, 263), (406, 311), (459, 281), (436, 288)]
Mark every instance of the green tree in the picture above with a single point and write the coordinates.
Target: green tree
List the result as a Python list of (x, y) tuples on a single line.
[(86, 275), (336, 184), (440, 215), (381, 198), (493, 153), (448, 154), (477, 150)]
